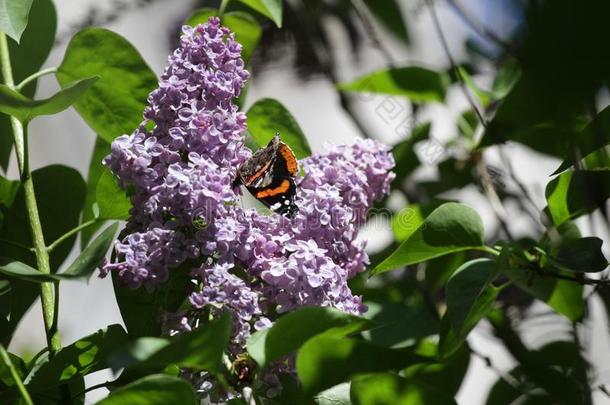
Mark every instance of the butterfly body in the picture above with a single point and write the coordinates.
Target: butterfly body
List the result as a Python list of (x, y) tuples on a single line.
[(269, 176)]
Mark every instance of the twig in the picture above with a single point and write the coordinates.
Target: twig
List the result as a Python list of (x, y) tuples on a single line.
[(439, 31), (506, 377), (365, 16), (492, 196), (520, 185), (603, 389), (93, 387), (480, 28), (17, 244), (583, 281), (11, 368)]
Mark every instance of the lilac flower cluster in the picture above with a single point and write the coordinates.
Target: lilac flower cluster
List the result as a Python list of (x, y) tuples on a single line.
[(185, 210)]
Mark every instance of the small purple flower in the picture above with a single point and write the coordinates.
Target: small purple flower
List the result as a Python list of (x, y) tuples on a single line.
[(180, 164)]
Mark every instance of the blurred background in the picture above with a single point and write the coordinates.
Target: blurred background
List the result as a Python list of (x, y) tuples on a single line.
[(323, 43)]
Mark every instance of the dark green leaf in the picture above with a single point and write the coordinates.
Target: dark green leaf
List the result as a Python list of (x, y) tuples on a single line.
[(26, 58), (92, 256), (111, 200), (465, 289), (114, 104), (399, 325), (390, 389), (271, 9), (450, 228), (24, 272), (507, 76), (390, 15), (325, 361), (14, 17), (156, 389), (8, 192), (445, 376), (82, 357), (293, 329), (580, 255), (573, 194), (201, 349), (60, 192), (418, 84), (141, 310), (25, 109), (565, 297), (268, 116), (247, 30), (100, 151)]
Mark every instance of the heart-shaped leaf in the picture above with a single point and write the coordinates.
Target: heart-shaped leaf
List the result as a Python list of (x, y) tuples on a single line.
[(14, 17)]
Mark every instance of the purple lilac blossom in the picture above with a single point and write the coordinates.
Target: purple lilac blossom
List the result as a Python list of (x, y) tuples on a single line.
[(181, 173)]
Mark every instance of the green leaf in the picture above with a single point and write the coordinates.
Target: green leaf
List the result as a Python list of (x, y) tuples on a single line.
[(24, 272), (508, 74), (25, 109), (100, 151), (390, 15), (141, 310), (271, 9), (325, 361), (59, 193), (82, 357), (111, 200), (389, 389), (247, 30), (8, 192), (580, 255), (114, 104), (564, 296), (268, 116), (445, 376), (90, 258), (452, 227), (455, 328), (293, 329), (465, 289), (406, 221), (201, 349), (573, 194), (14, 17), (417, 83), (156, 389), (27, 57), (399, 325)]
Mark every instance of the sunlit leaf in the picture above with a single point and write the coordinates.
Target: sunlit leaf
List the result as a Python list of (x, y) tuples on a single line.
[(293, 329), (390, 388), (416, 83), (14, 17), (325, 361), (91, 257), (114, 104), (452, 227), (271, 9), (573, 194)]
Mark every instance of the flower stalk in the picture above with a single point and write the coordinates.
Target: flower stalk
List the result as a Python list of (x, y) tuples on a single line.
[(47, 289)]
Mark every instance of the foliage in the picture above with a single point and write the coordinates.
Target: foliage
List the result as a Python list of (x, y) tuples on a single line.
[(446, 272)]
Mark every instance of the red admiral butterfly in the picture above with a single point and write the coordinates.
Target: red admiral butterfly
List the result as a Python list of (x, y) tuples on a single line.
[(269, 176)]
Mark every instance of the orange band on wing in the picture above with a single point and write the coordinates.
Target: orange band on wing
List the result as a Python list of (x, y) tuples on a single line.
[(282, 188), (290, 159), (257, 174)]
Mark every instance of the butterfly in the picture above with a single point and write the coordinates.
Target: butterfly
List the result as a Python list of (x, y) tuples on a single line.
[(269, 176)]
